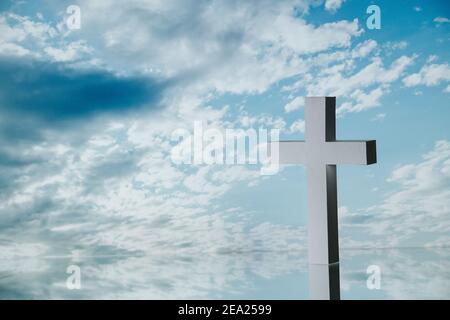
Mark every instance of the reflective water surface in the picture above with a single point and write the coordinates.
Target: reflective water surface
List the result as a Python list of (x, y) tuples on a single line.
[(405, 274)]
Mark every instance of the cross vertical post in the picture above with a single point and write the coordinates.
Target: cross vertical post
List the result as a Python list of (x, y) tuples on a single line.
[(322, 189)]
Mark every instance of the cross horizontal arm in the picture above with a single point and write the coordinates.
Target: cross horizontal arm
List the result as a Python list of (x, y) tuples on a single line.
[(290, 152), (350, 152)]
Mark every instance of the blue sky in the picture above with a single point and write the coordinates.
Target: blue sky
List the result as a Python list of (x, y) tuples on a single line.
[(86, 118)]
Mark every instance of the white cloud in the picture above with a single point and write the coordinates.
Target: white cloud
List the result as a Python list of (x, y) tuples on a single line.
[(441, 20), (20, 28), (12, 49), (233, 50), (297, 126), (73, 51), (333, 5), (379, 117), (169, 275), (231, 174), (21, 36), (405, 274), (416, 213), (335, 84), (412, 80), (432, 58), (266, 121), (15, 250), (363, 49), (112, 185), (429, 75), (392, 46), (423, 201), (363, 101), (294, 104), (333, 81), (227, 58), (199, 183)]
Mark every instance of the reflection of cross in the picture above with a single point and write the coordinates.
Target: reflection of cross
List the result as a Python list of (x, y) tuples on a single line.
[(320, 153)]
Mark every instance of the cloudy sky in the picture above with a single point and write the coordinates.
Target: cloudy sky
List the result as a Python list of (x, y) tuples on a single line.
[(86, 118)]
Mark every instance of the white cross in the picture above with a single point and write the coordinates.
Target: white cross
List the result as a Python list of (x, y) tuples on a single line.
[(320, 153)]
